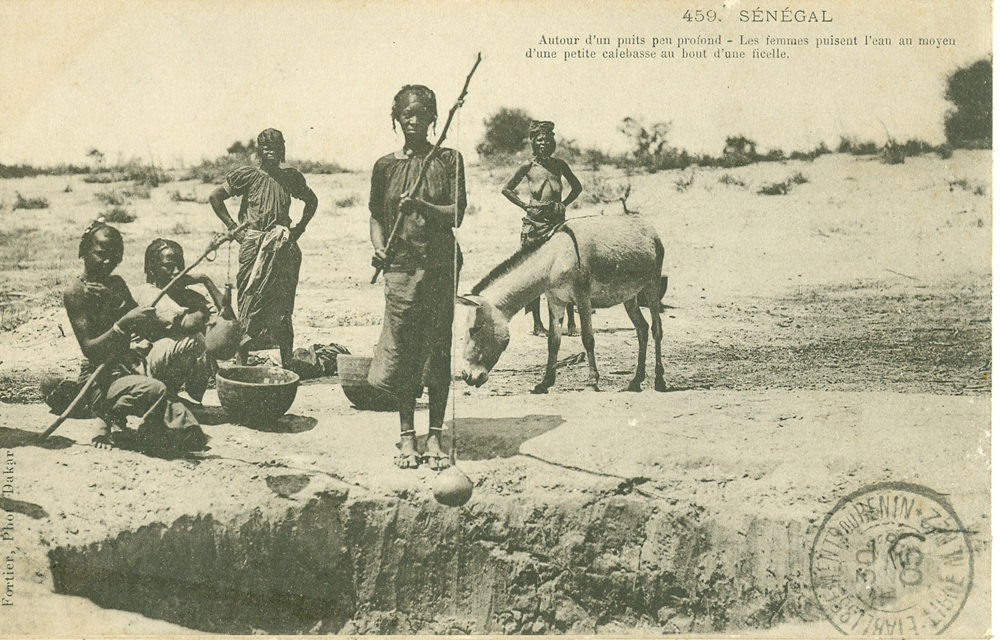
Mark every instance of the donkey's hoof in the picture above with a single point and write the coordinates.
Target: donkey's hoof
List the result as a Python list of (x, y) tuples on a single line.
[(593, 384), (660, 385), (634, 386), (540, 389)]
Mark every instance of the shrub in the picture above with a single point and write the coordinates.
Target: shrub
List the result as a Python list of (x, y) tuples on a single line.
[(318, 167), (139, 190), (119, 215), (177, 196), (730, 181), (29, 203), (506, 133), (110, 197), (798, 178), (349, 201), (774, 189), (892, 153), (810, 155), (683, 183), (970, 89), (131, 171)]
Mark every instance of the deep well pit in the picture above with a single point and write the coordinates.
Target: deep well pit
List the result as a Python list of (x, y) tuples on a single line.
[(501, 565)]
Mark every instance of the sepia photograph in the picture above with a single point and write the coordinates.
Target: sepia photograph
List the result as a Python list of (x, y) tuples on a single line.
[(441, 317)]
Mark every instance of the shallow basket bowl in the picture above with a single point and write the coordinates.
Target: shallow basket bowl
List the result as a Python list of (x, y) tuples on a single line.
[(255, 395), (353, 373)]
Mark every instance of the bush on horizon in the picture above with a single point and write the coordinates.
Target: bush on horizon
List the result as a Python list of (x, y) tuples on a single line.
[(970, 124)]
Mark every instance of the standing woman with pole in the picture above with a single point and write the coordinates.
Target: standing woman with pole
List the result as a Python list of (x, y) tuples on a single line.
[(417, 198)]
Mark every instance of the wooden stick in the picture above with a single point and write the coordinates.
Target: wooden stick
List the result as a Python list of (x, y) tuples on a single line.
[(390, 244), (214, 245)]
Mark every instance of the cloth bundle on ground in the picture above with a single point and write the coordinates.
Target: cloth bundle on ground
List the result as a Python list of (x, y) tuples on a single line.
[(317, 361), (59, 392)]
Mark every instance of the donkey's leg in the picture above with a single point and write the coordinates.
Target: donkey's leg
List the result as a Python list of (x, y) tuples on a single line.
[(641, 332), (587, 333), (654, 311), (556, 311)]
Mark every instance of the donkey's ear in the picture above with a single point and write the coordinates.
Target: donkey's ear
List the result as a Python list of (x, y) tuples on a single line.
[(469, 301)]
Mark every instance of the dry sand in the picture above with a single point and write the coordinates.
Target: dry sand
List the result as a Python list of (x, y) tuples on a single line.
[(815, 342)]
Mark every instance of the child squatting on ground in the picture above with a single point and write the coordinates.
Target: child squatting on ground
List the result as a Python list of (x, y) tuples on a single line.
[(104, 317), (177, 357)]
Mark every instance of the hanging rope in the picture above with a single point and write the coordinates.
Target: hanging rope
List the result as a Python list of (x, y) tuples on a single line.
[(454, 271)]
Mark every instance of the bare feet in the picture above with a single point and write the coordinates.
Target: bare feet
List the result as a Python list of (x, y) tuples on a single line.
[(435, 457), (407, 458)]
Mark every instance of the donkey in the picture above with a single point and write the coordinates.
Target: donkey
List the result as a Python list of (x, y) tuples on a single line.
[(594, 262)]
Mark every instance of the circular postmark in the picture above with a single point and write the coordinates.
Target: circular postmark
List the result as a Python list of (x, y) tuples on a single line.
[(891, 559)]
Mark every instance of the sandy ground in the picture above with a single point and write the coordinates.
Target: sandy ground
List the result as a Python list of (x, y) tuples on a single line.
[(814, 343)]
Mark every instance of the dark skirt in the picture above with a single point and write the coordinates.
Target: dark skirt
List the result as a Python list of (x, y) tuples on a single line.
[(414, 350)]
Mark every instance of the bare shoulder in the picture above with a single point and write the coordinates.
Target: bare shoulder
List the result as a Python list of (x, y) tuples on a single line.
[(562, 166), (74, 293)]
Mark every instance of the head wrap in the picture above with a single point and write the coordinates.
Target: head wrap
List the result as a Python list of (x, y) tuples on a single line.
[(538, 127), (270, 137)]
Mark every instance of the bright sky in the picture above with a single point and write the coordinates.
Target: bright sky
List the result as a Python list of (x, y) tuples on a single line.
[(176, 82)]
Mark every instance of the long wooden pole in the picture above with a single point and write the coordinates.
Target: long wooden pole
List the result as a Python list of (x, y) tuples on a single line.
[(390, 244), (214, 245)]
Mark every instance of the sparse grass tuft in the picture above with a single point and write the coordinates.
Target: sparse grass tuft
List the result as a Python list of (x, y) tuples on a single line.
[(352, 200), (12, 315), (774, 189), (684, 183), (730, 181), (177, 196), (471, 210), (119, 215), (29, 203), (132, 171), (110, 197), (798, 178), (180, 229), (318, 167), (139, 190)]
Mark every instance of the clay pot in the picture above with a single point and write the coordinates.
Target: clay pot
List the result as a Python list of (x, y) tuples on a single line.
[(353, 374), (222, 339), (451, 487), (256, 395)]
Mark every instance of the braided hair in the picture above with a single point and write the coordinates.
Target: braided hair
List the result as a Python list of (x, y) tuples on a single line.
[(422, 93), (153, 251), (114, 236)]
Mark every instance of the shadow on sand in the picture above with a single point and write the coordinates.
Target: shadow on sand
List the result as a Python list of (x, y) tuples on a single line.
[(10, 438), (288, 423), (486, 438)]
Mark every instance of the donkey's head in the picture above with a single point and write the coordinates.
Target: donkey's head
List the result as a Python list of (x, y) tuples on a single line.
[(483, 336)]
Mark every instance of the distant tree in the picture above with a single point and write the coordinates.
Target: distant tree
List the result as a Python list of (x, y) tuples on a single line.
[(970, 89), (97, 157), (506, 133), (647, 142), (239, 149)]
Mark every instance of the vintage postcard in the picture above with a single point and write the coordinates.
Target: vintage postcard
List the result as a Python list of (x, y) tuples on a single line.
[(448, 317)]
